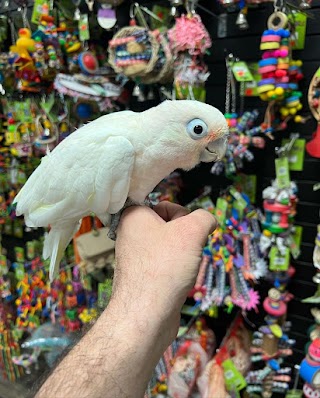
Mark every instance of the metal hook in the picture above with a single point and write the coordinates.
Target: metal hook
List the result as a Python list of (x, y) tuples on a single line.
[(137, 10), (132, 12), (285, 149), (152, 14), (278, 5)]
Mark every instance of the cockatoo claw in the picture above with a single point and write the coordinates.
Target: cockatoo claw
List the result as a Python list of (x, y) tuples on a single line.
[(115, 219)]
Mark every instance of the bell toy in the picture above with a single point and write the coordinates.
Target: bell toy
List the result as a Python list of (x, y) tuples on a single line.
[(241, 21), (304, 5)]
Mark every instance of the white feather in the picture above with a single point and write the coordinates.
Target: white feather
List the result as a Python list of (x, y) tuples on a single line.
[(99, 166)]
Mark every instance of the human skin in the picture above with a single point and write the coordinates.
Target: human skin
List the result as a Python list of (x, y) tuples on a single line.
[(157, 260)]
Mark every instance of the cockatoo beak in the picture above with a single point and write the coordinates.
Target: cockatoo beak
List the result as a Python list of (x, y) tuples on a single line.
[(215, 150)]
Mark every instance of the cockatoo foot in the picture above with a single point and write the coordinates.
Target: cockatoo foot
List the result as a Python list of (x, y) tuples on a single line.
[(115, 218)]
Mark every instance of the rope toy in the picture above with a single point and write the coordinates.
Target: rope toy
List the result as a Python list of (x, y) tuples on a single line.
[(189, 34), (133, 51)]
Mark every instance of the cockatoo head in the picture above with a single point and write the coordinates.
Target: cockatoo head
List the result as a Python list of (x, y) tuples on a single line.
[(193, 130)]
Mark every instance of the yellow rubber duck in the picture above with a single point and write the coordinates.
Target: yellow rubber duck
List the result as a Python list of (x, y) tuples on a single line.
[(24, 44)]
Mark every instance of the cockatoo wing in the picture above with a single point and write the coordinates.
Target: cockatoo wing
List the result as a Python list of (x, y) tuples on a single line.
[(69, 184), (112, 183)]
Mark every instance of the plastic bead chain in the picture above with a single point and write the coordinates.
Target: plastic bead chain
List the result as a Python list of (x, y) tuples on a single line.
[(279, 76), (242, 136)]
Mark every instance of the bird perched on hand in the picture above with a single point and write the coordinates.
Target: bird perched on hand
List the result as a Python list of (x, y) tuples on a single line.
[(118, 157)]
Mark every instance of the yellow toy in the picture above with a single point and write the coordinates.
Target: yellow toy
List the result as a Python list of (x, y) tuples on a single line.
[(24, 44)]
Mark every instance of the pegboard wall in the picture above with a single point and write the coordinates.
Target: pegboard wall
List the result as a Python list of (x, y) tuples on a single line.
[(245, 45)]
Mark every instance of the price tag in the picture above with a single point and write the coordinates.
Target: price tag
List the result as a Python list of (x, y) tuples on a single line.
[(233, 378), (278, 261), (282, 172)]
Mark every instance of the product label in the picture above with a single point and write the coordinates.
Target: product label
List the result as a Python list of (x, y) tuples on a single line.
[(3, 265), (17, 229), (163, 14), (296, 154), (19, 271), (233, 378), (238, 197), (298, 37), (251, 87), (19, 252), (278, 261), (207, 204), (23, 111), (40, 7), (31, 250), (247, 183), (190, 310), (84, 33), (104, 293), (296, 241), (48, 104), (237, 206), (282, 172), (221, 210), (241, 72), (294, 394)]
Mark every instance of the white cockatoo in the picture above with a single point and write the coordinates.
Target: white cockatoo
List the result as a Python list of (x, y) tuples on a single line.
[(119, 156)]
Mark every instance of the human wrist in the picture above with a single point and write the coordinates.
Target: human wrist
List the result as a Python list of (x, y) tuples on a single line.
[(144, 322)]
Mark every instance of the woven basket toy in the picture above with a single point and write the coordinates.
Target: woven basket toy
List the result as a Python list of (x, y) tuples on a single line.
[(133, 51), (165, 63)]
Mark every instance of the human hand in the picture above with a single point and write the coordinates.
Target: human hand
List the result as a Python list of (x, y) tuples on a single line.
[(157, 261)]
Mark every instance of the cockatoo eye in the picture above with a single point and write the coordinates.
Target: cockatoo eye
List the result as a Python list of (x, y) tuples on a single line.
[(197, 129)]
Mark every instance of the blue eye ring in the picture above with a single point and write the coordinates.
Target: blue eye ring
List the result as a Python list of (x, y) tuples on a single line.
[(197, 129)]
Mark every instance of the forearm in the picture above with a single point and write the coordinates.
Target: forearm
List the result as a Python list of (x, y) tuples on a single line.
[(114, 359)]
